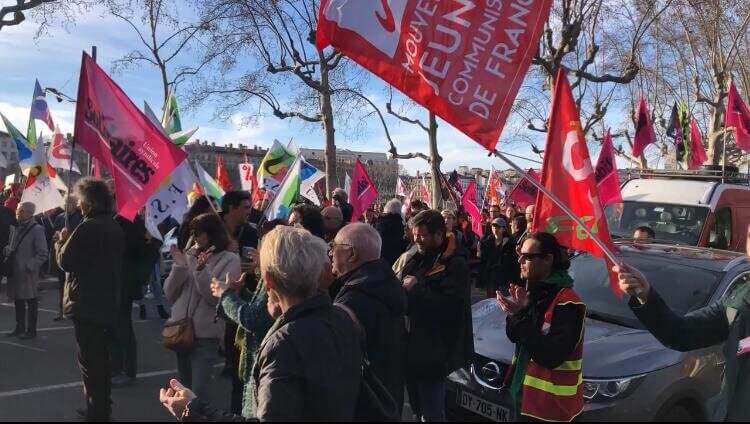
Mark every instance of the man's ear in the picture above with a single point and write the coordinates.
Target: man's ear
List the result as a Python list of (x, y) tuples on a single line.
[(268, 282)]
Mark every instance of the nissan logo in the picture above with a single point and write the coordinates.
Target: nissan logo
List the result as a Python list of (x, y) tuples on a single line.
[(491, 372)]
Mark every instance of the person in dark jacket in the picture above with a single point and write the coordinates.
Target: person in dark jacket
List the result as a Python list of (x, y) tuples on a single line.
[(372, 291), (390, 226), (499, 266), (518, 228), (341, 201), (308, 367), (309, 217), (725, 321), (73, 217), (440, 341), (92, 258), (545, 320)]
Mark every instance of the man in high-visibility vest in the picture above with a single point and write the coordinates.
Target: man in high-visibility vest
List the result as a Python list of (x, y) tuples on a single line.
[(545, 321)]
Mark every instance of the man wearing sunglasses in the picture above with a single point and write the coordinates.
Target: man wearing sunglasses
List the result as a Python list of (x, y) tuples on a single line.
[(545, 320)]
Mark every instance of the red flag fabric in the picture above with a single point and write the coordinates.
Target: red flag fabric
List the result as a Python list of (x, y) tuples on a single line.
[(464, 61), (425, 192), (96, 168), (738, 117), (221, 176), (491, 196), (469, 201), (697, 151), (524, 192), (362, 192), (568, 174), (644, 129), (607, 178), (115, 132)]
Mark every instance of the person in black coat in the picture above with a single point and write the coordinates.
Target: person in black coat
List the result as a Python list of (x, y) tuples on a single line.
[(341, 201), (371, 290), (390, 226), (436, 278), (499, 260), (74, 218)]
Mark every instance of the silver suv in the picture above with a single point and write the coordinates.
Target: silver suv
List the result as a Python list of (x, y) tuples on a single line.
[(628, 374)]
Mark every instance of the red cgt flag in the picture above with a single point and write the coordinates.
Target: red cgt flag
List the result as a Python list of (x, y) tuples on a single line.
[(222, 177), (117, 134), (462, 60), (568, 174), (738, 117)]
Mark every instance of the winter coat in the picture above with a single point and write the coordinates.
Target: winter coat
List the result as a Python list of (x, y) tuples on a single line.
[(92, 259), (139, 260), (391, 230), (185, 283), (30, 254), (499, 264), (378, 299)]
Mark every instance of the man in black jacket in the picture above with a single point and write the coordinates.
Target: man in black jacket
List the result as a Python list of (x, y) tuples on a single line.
[(370, 289), (341, 201), (390, 226), (499, 261), (440, 339)]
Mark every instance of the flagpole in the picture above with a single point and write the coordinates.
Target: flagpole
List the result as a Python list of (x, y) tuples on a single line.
[(562, 206)]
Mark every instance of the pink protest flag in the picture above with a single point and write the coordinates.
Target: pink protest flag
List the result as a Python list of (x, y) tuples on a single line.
[(116, 133), (469, 201), (738, 117), (362, 192), (607, 179), (697, 151), (524, 193), (644, 129)]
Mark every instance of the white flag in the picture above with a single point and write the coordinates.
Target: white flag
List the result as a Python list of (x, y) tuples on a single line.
[(171, 198), (347, 183), (247, 171), (59, 154), (309, 176), (40, 190), (400, 188)]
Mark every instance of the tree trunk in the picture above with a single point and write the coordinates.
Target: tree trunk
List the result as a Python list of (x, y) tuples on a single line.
[(435, 160), (715, 137), (326, 111)]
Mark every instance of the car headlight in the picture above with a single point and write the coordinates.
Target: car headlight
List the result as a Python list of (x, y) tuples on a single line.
[(599, 390)]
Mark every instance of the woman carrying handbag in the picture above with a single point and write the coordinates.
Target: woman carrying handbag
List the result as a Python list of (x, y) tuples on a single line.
[(193, 331)]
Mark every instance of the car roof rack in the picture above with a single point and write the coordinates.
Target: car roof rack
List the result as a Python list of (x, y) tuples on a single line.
[(729, 175)]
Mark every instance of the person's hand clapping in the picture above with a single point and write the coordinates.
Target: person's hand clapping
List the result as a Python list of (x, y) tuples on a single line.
[(518, 300), (176, 398), (203, 258)]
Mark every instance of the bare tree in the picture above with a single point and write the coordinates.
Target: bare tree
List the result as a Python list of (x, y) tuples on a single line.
[(45, 12), (165, 37)]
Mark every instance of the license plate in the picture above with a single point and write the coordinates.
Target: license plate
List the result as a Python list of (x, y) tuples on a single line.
[(482, 407)]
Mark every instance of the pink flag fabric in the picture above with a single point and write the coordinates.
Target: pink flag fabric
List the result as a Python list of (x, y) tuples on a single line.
[(524, 193), (469, 201), (644, 129), (116, 133), (697, 151), (737, 116), (607, 178), (362, 192)]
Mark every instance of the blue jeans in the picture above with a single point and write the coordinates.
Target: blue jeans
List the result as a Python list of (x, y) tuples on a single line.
[(427, 400)]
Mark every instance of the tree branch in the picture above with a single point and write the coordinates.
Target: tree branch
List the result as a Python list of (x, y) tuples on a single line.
[(17, 11)]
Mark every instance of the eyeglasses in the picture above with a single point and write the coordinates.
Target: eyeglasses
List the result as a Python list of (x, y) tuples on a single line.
[(523, 257)]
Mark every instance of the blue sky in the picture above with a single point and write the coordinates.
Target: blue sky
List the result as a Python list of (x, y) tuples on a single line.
[(55, 60)]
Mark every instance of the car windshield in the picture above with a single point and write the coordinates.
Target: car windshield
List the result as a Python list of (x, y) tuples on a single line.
[(683, 287), (678, 223)]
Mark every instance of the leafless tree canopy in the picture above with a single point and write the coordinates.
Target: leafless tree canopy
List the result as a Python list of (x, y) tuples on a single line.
[(43, 12)]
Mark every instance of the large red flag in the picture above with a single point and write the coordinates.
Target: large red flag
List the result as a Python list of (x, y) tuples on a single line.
[(568, 174), (222, 177), (524, 192), (116, 133), (469, 201), (738, 117), (607, 179), (462, 60), (362, 192), (644, 129), (697, 151)]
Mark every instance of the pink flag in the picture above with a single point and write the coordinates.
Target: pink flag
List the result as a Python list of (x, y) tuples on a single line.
[(738, 117), (644, 129), (362, 192), (469, 200), (116, 133), (425, 192), (607, 179), (697, 151), (524, 193)]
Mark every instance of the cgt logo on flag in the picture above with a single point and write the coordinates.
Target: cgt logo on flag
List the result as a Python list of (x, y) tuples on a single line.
[(378, 22)]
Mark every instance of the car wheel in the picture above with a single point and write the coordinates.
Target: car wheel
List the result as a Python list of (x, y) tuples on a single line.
[(677, 413)]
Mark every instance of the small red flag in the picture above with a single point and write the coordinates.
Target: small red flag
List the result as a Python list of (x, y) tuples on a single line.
[(607, 179), (469, 201), (524, 193), (644, 129), (222, 177), (568, 174), (362, 192), (738, 117), (697, 151)]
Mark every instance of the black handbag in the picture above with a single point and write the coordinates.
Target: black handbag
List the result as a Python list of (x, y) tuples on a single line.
[(6, 268), (375, 402)]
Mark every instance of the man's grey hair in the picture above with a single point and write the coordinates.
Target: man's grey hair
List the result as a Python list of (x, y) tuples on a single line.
[(340, 193), (28, 206), (294, 260), (364, 239), (393, 206), (95, 193)]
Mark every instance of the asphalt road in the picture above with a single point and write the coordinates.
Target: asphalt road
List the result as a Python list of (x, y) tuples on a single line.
[(40, 381)]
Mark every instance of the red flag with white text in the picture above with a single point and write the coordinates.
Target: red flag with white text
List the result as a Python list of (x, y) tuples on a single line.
[(567, 173), (462, 60), (116, 133), (362, 192)]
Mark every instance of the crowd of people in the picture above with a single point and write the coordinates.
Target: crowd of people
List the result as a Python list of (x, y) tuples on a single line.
[(317, 318)]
